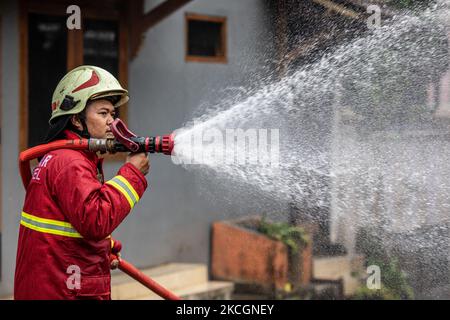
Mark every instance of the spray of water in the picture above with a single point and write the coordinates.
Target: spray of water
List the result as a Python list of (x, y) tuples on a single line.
[(363, 135)]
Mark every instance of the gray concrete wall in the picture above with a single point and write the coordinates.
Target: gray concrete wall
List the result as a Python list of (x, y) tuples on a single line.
[(172, 221), (12, 190)]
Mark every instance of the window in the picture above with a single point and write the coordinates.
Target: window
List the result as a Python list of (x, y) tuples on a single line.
[(101, 45), (205, 38)]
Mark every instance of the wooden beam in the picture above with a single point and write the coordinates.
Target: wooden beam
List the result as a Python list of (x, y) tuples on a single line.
[(340, 9), (387, 10), (135, 12), (160, 12), (74, 48)]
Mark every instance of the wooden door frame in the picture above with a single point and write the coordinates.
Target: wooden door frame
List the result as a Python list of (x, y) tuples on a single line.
[(75, 43)]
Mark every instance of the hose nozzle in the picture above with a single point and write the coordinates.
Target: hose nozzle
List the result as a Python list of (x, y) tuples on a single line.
[(125, 140), (164, 144)]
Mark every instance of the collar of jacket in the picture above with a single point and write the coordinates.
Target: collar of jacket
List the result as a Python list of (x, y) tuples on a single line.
[(89, 154)]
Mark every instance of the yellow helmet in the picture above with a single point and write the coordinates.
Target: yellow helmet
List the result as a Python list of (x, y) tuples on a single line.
[(82, 84)]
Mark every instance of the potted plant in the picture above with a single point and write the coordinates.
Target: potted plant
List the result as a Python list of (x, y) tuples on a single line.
[(261, 255)]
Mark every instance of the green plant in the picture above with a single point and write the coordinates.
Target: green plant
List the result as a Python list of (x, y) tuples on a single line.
[(393, 278), (292, 236), (394, 283), (364, 293)]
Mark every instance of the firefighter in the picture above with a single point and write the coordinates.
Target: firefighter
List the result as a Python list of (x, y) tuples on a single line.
[(69, 211)]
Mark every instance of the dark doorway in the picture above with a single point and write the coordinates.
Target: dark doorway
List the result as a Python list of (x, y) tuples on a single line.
[(47, 61)]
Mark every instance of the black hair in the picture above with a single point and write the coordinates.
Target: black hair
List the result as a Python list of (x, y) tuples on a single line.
[(57, 127)]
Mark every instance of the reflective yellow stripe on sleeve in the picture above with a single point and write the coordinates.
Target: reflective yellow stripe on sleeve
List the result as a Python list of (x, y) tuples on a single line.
[(51, 226), (123, 186)]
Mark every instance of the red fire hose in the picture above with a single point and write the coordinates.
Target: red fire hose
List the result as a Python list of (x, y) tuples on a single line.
[(26, 156), (85, 144), (137, 275)]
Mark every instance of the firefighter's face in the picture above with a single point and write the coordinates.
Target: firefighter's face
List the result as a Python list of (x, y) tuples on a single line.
[(99, 116)]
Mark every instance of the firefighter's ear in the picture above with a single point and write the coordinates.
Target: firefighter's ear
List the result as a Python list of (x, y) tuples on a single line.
[(76, 122)]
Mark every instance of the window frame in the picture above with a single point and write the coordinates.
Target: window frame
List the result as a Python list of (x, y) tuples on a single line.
[(223, 38), (74, 52)]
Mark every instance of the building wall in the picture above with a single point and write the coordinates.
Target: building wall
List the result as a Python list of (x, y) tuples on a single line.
[(172, 220), (12, 191)]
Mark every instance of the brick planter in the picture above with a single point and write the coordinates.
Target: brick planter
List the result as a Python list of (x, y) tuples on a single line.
[(242, 255)]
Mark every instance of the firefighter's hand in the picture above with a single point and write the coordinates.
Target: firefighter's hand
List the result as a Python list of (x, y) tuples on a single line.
[(116, 246), (114, 263), (140, 161)]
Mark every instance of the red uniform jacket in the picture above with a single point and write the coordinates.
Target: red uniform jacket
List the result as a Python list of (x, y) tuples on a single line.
[(66, 223)]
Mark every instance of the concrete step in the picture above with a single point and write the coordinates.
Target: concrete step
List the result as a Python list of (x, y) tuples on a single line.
[(347, 268), (210, 290), (189, 281), (171, 276)]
